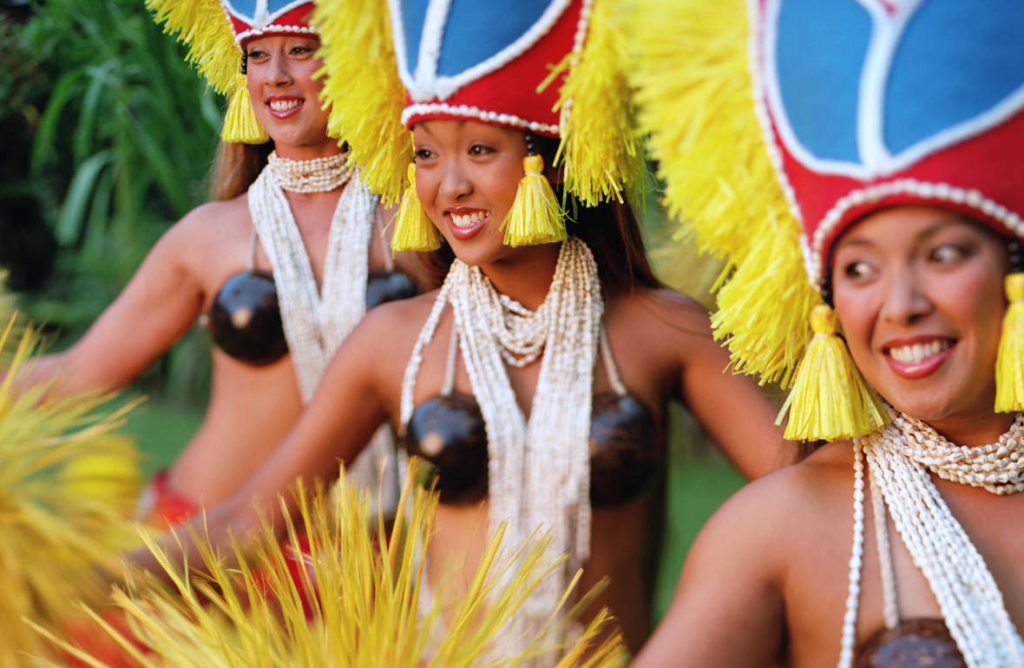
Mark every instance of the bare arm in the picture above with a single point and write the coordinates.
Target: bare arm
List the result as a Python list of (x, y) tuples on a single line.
[(728, 609), (348, 407), (158, 305), (731, 407)]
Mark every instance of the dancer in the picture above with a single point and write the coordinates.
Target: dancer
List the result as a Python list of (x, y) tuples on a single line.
[(536, 379), (280, 267), (889, 148)]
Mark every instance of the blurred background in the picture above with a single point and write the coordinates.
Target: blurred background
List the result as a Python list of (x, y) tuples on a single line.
[(107, 139)]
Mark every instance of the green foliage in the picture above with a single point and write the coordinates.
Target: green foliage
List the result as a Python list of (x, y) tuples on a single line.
[(122, 149)]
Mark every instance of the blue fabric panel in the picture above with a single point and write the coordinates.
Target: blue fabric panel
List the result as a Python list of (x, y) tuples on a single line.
[(819, 57), (957, 59), (243, 8), (478, 29), (277, 5), (413, 14)]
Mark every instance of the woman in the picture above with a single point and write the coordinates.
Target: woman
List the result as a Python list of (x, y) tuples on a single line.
[(900, 162), (280, 267), (536, 378)]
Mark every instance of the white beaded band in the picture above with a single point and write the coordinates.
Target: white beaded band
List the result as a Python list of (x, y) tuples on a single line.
[(935, 192), (475, 113)]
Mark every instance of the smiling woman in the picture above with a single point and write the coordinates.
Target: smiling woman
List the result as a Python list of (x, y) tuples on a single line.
[(888, 218)]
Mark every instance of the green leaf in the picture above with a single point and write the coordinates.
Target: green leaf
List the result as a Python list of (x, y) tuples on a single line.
[(72, 214)]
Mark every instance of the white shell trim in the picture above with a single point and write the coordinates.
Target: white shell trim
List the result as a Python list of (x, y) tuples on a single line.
[(476, 113), (272, 30), (936, 192)]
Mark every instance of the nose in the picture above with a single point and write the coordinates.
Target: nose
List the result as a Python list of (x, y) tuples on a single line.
[(455, 185), (279, 72), (905, 301)]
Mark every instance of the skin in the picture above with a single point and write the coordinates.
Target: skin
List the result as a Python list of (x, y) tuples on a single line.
[(661, 341), (766, 580), (181, 276)]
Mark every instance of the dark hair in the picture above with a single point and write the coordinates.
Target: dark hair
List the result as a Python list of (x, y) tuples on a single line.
[(610, 230), (236, 167)]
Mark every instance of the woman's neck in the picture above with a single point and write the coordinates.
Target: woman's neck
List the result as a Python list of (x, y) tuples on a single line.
[(526, 275), (309, 151), (975, 429)]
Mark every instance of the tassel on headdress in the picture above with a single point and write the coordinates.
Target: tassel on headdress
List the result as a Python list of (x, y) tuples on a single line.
[(240, 124), (413, 229), (1010, 360), (535, 216), (830, 399)]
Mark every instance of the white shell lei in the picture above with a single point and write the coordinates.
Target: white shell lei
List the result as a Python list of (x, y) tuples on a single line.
[(900, 459), (315, 323), (539, 472)]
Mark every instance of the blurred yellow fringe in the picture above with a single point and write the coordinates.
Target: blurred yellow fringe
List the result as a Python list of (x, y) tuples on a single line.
[(368, 612), (205, 28), (696, 101), (66, 486), (365, 94)]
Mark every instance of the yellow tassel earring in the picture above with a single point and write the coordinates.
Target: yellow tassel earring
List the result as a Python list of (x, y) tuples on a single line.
[(240, 124), (830, 399), (1010, 359), (413, 230), (535, 216)]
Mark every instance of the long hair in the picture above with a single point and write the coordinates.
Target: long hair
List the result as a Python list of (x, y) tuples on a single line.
[(235, 167)]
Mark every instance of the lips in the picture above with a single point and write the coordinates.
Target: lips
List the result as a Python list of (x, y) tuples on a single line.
[(918, 357), (465, 223)]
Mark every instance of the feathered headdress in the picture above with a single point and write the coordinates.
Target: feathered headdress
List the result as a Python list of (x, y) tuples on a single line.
[(779, 123), (551, 67)]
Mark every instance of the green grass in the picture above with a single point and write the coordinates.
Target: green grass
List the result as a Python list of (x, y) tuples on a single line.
[(161, 430)]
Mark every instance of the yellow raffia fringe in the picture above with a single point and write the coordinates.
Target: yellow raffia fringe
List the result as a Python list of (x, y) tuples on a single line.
[(694, 90), (830, 399), (600, 152), (365, 94), (413, 229), (535, 216), (205, 28), (240, 123), (54, 530), (368, 611), (1010, 360)]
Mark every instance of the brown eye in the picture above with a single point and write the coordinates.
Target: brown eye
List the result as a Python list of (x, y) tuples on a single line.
[(948, 254), (480, 149), (858, 270), (423, 154)]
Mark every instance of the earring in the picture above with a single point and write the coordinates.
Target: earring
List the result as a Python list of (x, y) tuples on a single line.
[(413, 230), (240, 123), (1010, 358), (536, 216)]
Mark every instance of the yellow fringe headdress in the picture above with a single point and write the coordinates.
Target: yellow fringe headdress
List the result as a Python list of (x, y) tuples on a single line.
[(371, 608), (556, 68), (66, 486), (768, 186), (215, 31)]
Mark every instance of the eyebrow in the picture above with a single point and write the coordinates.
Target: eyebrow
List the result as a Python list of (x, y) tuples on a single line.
[(922, 236)]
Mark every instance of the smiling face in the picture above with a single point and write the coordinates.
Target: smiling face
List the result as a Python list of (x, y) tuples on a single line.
[(285, 96), (918, 291), (467, 174)]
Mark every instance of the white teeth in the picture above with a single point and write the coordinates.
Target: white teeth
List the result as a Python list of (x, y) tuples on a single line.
[(918, 352), (284, 105), (468, 219)]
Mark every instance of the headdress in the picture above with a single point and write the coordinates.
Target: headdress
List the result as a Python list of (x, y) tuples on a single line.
[(216, 32), (779, 123), (551, 67)]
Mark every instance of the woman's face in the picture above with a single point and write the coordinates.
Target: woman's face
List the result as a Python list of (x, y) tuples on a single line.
[(919, 293), (284, 94), (467, 174)]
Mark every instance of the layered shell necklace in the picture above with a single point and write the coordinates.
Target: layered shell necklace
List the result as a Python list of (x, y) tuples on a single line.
[(316, 322), (900, 459), (538, 469)]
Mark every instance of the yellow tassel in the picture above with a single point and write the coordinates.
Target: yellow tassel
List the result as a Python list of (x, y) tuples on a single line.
[(204, 26), (830, 399), (1010, 360), (535, 216), (413, 230), (240, 124), (364, 91)]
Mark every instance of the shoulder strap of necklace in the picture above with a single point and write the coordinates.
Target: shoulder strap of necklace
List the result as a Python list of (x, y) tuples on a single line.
[(416, 357)]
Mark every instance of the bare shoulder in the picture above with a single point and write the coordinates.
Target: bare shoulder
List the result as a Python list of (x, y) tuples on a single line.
[(396, 324), (663, 309), (215, 220)]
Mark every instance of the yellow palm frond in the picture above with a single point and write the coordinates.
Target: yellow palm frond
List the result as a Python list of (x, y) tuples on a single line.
[(371, 608)]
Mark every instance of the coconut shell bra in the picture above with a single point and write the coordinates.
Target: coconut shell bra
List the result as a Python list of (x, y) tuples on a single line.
[(244, 319), (625, 447)]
